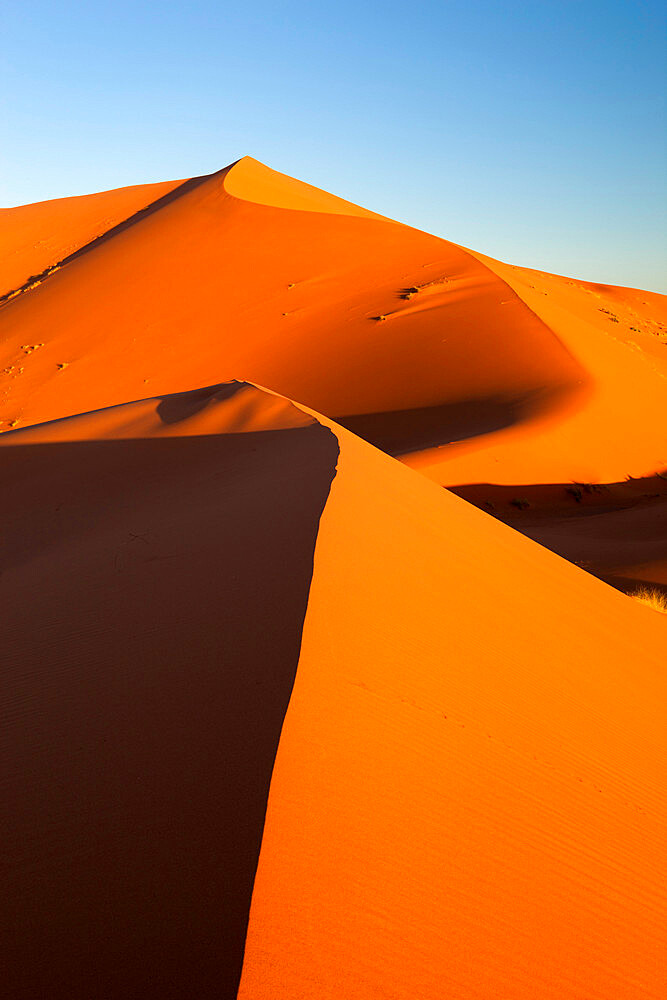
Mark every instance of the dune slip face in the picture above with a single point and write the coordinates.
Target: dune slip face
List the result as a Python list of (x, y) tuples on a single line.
[(153, 606)]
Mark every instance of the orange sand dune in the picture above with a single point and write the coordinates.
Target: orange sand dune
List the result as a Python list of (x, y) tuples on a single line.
[(214, 284), (483, 373), (279, 711), (465, 793), (479, 812)]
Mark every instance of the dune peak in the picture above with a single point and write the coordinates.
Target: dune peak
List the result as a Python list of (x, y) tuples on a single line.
[(251, 180)]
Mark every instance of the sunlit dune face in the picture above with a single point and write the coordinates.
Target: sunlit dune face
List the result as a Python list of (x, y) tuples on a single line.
[(36, 237)]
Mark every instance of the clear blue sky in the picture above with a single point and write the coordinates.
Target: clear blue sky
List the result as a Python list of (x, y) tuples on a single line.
[(532, 131)]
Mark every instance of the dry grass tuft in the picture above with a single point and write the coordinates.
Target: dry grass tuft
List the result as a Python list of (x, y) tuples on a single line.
[(653, 597)]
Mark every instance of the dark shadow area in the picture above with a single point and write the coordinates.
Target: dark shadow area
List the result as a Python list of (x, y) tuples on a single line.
[(143, 213), (616, 531), (629, 585), (575, 500), (153, 594), (398, 432)]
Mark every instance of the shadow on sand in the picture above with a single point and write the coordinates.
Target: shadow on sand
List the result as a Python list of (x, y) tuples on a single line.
[(399, 432), (156, 593)]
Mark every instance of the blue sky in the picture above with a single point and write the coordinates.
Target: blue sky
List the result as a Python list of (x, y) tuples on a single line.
[(534, 132)]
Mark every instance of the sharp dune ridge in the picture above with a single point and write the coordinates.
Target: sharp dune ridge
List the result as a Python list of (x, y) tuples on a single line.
[(37, 279), (35, 238), (284, 717)]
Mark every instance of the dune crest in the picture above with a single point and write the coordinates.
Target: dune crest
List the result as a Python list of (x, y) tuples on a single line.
[(460, 796), (619, 338), (250, 180), (36, 237), (230, 408)]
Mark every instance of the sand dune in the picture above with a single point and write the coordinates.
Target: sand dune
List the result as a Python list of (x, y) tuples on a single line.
[(619, 337), (475, 376), (290, 299), (478, 810), (448, 814), (283, 717)]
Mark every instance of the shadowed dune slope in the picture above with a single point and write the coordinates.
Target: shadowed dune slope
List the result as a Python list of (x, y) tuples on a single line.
[(618, 531), (468, 796), (154, 578), (295, 290)]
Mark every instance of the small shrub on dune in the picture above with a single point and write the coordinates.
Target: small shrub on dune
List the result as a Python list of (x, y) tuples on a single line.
[(653, 597)]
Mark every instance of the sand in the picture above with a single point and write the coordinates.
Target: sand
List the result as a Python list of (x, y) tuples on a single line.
[(475, 377), (480, 810), (283, 716), (35, 238)]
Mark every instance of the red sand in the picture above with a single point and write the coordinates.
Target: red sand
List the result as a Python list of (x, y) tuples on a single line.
[(466, 798)]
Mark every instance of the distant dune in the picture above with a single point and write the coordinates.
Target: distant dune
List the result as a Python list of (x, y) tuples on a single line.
[(282, 716), (483, 373)]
